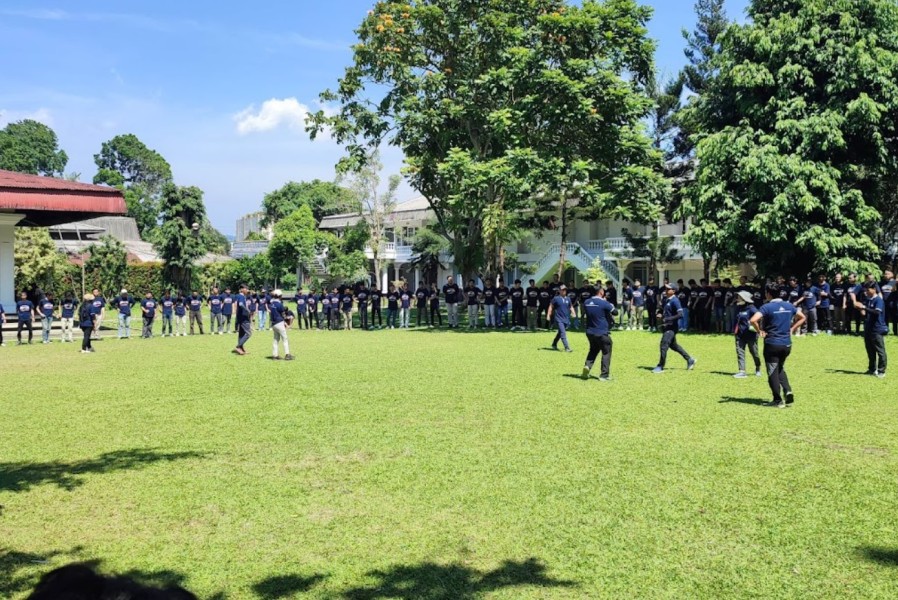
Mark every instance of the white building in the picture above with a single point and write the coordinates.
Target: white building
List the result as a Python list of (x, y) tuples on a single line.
[(251, 223), (539, 256)]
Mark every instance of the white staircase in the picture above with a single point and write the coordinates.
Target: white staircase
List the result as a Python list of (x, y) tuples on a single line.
[(579, 257)]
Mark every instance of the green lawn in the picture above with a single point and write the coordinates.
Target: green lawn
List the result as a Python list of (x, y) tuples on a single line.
[(443, 465)]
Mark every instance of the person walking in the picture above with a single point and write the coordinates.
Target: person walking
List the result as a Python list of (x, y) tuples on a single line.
[(86, 321), (560, 308), (451, 294), (195, 303), (435, 313), (243, 320), (148, 306), (124, 302), (875, 327), (67, 312), (671, 316), (47, 309), (746, 336), (279, 324), (180, 315), (776, 322), (25, 314), (599, 316)]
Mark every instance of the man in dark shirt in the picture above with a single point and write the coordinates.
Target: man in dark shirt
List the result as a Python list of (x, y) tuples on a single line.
[(68, 308), (243, 321), (776, 322), (838, 297), (148, 308), (346, 307), (216, 321), (46, 308), (611, 294), (312, 304), (574, 295), (25, 315), (823, 309), (452, 295), (808, 303), (854, 293), (195, 305), (421, 296), (518, 299), (599, 316), (875, 327), (98, 309), (717, 302), (502, 304), (684, 297), (532, 299), (472, 294), (672, 314), (123, 302), (376, 314), (638, 305), (560, 307), (887, 288), (651, 304), (545, 297), (392, 307), (363, 295), (746, 336), (489, 304), (227, 309), (262, 300), (701, 304)]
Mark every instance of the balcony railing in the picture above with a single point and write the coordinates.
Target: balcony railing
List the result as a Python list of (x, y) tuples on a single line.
[(391, 251), (617, 246)]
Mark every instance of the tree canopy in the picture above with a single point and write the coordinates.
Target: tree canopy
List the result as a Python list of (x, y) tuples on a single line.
[(495, 102), (108, 261), (180, 244), (295, 241), (322, 197), (37, 262), (799, 136), (31, 147)]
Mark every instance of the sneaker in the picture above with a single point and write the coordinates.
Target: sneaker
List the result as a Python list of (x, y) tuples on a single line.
[(740, 375), (85, 352), (91, 350), (758, 374), (568, 350), (881, 374), (604, 379), (870, 372), (658, 370), (691, 364), (288, 357), (554, 347), (585, 374), (776, 404), (790, 398)]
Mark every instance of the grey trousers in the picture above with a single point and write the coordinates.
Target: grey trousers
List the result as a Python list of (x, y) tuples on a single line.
[(532, 312), (752, 345), (244, 332), (148, 326), (876, 350), (452, 314), (669, 342), (473, 315)]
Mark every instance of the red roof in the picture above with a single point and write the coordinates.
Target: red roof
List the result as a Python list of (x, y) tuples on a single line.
[(48, 201)]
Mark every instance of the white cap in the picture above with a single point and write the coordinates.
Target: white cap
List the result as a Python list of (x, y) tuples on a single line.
[(277, 293), (124, 291)]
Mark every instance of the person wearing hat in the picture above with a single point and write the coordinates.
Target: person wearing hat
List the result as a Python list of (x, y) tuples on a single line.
[(560, 307), (278, 326), (599, 316), (148, 306), (875, 327), (87, 317), (243, 320), (776, 322), (746, 336), (124, 302), (671, 316)]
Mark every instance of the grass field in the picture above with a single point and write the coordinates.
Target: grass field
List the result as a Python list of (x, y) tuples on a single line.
[(445, 465)]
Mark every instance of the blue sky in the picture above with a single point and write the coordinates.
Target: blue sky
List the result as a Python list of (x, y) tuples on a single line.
[(219, 89)]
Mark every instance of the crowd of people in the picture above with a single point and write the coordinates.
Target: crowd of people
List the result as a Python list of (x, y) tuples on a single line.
[(844, 305)]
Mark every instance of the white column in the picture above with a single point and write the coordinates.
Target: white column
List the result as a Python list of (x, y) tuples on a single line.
[(417, 277), (384, 278), (7, 260)]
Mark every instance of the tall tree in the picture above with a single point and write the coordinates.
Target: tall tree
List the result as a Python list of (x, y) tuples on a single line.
[(31, 147), (494, 102), (127, 163), (799, 142), (179, 241), (427, 249), (322, 197), (108, 263), (666, 97), (296, 240), (375, 205), (37, 262)]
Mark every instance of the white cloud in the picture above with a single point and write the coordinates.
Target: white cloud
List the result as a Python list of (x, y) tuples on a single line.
[(43, 115), (274, 113)]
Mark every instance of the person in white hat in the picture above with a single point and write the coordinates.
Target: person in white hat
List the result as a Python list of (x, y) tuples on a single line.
[(278, 313), (746, 336), (124, 302)]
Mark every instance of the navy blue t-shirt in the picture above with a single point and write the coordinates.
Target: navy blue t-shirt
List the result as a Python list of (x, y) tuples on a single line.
[(227, 305), (215, 304), (277, 311), (599, 316), (777, 322), (744, 330), (489, 296), (810, 297), (375, 299), (421, 295), (362, 297), (168, 304), (393, 300), (346, 301), (405, 298), (97, 305), (243, 311), (561, 305), (312, 302), (180, 307), (149, 304), (471, 293), (823, 292), (68, 308), (875, 321), (46, 307), (124, 304), (672, 308), (502, 295), (25, 310), (195, 303), (262, 302), (301, 300), (638, 296)]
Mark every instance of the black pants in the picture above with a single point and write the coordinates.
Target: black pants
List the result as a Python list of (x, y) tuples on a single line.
[(603, 344), (669, 342), (823, 320), (24, 325), (435, 314), (853, 314), (376, 316), (85, 342), (363, 316), (517, 315), (775, 359), (315, 317), (892, 313), (876, 351), (652, 309), (542, 314), (421, 310)]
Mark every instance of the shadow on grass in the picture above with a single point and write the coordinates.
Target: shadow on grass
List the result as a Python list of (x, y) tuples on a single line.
[(285, 586), (752, 401), (452, 582), (883, 556), (578, 376), (846, 372), (22, 476)]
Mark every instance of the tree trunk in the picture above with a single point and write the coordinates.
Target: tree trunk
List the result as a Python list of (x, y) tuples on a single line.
[(562, 254), (706, 266)]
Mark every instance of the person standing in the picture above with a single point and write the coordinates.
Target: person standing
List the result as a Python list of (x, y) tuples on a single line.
[(345, 306), (168, 310), (560, 308), (362, 295), (638, 306), (421, 296), (243, 320), (25, 314), (887, 287), (489, 305), (312, 302), (335, 309), (180, 315), (626, 315), (746, 336), (651, 304), (86, 318), (405, 305), (326, 308), (611, 295), (216, 322), (517, 306), (376, 306), (809, 302), (875, 327), (435, 313), (279, 325), (99, 308), (195, 303), (47, 309), (672, 315), (599, 316), (451, 294), (838, 299), (227, 309), (545, 299), (824, 321), (532, 305), (684, 297), (730, 304), (717, 302), (502, 304), (68, 308), (472, 293), (392, 306), (124, 302), (148, 307), (776, 322), (573, 295), (251, 304)]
